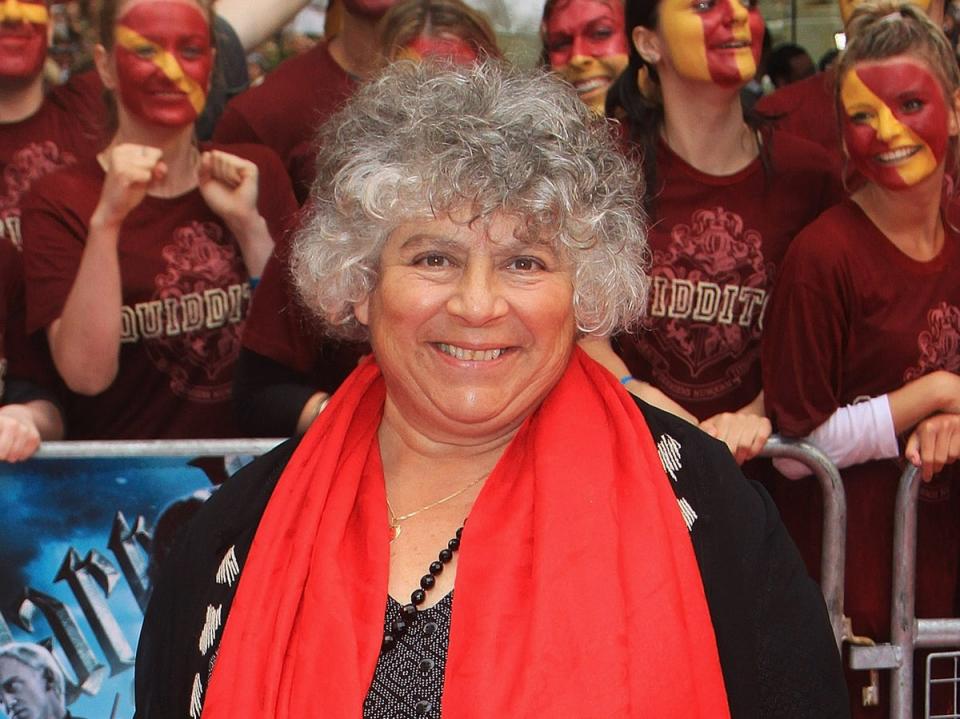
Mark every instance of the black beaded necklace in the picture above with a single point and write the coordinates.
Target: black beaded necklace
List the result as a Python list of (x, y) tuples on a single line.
[(408, 613)]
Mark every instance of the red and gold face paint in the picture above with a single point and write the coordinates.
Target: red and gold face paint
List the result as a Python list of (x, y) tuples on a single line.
[(450, 48), (23, 38), (163, 60), (586, 43), (715, 41), (896, 123)]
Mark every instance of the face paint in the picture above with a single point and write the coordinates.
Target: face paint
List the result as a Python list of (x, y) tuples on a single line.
[(453, 49), (848, 6), (586, 43), (23, 38), (896, 123), (163, 60), (715, 41)]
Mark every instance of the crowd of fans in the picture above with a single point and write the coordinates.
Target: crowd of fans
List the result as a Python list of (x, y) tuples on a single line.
[(804, 253)]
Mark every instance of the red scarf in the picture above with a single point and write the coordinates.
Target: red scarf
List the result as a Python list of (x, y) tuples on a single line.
[(577, 589)]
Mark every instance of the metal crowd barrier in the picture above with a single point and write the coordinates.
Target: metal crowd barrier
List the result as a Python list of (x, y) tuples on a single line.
[(155, 448), (834, 530)]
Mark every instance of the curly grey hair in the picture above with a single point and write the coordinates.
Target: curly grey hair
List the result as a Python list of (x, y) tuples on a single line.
[(424, 140)]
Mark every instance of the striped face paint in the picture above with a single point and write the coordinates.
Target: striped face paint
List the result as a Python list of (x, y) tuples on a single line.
[(454, 49), (896, 123), (163, 60), (586, 43), (716, 41), (23, 38)]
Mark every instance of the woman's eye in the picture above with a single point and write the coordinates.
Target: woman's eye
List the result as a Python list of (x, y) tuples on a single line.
[(912, 105), (555, 44), (860, 118), (191, 52), (525, 264), (145, 51), (703, 5), (601, 33), (432, 260)]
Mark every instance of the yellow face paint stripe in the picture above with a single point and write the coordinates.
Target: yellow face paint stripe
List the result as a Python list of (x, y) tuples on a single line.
[(132, 40), (692, 57), (746, 65), (855, 94), (24, 12)]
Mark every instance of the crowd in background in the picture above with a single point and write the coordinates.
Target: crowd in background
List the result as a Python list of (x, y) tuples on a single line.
[(804, 263)]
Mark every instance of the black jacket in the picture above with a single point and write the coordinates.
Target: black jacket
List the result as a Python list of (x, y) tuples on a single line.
[(776, 648)]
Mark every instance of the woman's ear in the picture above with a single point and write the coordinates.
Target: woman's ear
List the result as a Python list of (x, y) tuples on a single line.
[(104, 65), (647, 44), (361, 310), (955, 115)]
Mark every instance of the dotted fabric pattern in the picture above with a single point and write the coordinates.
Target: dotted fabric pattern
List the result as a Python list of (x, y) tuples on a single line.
[(408, 680)]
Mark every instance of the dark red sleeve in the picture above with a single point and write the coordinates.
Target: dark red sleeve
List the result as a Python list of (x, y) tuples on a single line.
[(232, 127), (54, 219), (804, 333)]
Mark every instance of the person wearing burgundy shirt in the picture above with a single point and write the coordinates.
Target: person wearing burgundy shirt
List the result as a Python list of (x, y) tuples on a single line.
[(725, 198), (862, 343)]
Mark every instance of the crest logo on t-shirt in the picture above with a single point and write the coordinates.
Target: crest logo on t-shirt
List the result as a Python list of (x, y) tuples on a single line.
[(191, 328), (940, 344), (28, 164), (709, 292)]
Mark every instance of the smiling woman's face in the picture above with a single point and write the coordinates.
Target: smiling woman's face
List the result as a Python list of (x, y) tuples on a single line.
[(717, 41), (163, 59), (896, 121), (471, 325), (586, 43)]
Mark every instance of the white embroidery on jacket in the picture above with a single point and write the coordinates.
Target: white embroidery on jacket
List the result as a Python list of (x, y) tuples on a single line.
[(669, 450), (210, 626), (229, 570), (196, 695), (689, 516)]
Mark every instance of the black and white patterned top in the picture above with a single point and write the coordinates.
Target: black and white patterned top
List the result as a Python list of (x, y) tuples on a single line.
[(408, 680)]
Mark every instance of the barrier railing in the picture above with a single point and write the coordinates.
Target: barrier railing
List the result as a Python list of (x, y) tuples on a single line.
[(834, 522), (155, 448)]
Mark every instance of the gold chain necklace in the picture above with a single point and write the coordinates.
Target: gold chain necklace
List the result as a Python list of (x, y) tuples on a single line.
[(396, 519)]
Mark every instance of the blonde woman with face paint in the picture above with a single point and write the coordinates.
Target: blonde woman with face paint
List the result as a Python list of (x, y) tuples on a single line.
[(139, 262), (861, 347), (725, 199)]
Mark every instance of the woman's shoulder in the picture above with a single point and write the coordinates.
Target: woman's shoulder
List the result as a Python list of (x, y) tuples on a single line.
[(71, 184)]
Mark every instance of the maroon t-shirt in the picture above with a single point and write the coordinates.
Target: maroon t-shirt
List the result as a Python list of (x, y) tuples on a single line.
[(65, 128), (185, 297), (280, 328), (11, 292), (285, 111), (807, 109), (716, 243), (852, 318)]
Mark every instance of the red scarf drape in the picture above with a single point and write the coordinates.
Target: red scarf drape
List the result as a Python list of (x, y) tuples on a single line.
[(577, 589)]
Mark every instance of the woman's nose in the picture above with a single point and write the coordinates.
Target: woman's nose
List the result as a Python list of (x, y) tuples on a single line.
[(888, 126), (477, 297)]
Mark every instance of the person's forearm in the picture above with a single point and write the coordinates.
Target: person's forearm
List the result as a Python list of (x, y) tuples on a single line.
[(255, 22), (601, 351), (918, 399), (44, 415), (85, 339), (255, 242)]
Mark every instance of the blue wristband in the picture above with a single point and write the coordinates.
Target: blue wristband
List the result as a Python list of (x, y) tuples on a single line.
[(628, 378)]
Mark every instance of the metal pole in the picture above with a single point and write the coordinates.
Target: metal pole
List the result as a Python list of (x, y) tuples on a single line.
[(903, 623), (155, 448), (833, 553)]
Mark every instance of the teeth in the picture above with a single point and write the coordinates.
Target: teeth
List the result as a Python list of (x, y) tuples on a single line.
[(899, 154), (734, 45), (469, 355), (585, 86)]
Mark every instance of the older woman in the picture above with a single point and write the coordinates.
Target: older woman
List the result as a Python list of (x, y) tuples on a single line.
[(608, 559)]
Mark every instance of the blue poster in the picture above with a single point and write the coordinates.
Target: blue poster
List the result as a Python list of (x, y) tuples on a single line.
[(78, 543)]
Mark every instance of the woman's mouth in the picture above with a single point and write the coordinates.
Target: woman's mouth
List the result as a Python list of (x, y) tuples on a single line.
[(590, 84), (469, 355), (899, 154)]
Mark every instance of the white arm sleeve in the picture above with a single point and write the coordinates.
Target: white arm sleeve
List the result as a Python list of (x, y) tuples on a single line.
[(853, 434)]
